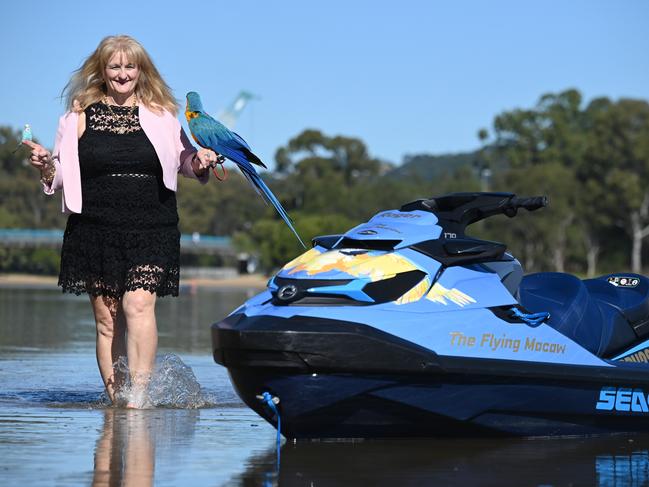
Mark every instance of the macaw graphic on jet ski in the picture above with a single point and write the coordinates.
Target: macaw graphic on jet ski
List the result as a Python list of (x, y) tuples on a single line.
[(404, 326)]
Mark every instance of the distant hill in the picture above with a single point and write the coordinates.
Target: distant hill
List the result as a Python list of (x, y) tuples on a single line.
[(429, 167)]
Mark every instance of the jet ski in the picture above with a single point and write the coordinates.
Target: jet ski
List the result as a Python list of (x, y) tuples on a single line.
[(404, 326)]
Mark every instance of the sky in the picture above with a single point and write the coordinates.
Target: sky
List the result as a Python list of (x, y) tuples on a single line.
[(406, 77)]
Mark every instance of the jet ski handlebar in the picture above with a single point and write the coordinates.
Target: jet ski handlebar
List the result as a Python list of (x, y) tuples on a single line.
[(508, 205), (456, 211), (484, 204), (530, 204)]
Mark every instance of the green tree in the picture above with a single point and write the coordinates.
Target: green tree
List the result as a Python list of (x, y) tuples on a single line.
[(276, 245), (320, 172), (618, 155), (543, 148), (219, 207)]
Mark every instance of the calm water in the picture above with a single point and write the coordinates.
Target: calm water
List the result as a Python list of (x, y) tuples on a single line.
[(54, 429)]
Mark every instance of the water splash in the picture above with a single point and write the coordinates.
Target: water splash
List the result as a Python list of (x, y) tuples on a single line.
[(171, 385)]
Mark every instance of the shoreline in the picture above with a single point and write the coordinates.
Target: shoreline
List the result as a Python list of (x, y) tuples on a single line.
[(244, 281)]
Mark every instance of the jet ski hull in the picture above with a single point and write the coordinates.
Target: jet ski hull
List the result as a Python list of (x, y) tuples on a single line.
[(339, 379)]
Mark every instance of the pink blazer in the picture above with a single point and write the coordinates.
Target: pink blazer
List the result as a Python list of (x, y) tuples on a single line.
[(163, 130)]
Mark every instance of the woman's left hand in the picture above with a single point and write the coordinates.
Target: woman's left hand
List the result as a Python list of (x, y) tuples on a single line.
[(202, 161)]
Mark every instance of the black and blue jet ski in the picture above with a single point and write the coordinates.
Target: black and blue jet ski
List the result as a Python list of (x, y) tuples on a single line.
[(405, 326)]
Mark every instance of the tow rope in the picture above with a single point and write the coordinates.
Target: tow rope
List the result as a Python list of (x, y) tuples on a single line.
[(272, 403)]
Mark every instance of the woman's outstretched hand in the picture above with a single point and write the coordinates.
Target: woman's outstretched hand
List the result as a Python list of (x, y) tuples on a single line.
[(41, 159), (40, 156)]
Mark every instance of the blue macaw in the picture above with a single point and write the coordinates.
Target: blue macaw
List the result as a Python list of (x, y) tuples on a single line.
[(211, 134)]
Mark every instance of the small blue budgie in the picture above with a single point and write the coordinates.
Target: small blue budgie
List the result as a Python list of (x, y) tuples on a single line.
[(26, 135), (27, 132)]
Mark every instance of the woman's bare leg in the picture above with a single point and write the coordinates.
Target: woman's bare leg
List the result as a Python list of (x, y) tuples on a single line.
[(142, 344), (111, 340)]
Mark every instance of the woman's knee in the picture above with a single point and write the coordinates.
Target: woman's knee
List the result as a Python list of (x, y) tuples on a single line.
[(137, 304), (106, 317), (106, 327)]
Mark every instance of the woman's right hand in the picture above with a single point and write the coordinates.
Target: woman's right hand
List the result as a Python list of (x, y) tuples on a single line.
[(40, 156)]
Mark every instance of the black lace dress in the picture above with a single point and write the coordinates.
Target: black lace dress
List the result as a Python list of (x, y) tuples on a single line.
[(126, 236)]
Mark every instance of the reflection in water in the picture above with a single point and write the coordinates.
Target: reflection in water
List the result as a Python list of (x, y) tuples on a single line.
[(125, 452), (130, 440), (512, 462), (623, 470)]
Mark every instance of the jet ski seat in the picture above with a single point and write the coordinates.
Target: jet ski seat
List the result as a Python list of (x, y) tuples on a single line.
[(629, 296), (602, 320)]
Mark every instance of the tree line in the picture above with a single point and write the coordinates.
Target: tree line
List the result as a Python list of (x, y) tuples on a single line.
[(590, 158)]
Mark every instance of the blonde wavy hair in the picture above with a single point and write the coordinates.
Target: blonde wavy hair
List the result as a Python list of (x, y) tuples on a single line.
[(87, 84)]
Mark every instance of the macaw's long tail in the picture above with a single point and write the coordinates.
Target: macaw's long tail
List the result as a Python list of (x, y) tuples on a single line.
[(268, 195), (251, 157)]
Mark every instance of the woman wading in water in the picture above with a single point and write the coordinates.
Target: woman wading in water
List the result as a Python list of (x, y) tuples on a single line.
[(118, 151)]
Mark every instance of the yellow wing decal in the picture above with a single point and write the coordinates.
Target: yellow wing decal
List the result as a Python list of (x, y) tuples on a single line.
[(376, 267), (416, 293), (302, 259), (439, 294)]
